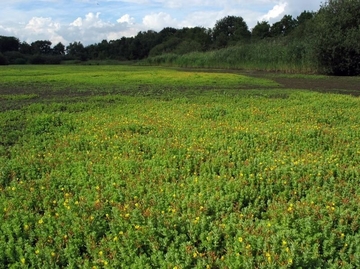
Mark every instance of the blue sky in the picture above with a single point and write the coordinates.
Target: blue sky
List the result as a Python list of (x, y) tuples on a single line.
[(91, 21)]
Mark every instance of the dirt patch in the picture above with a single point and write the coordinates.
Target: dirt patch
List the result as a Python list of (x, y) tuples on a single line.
[(325, 84)]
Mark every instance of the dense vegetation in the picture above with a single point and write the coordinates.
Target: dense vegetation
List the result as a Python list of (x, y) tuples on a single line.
[(325, 41), (142, 167)]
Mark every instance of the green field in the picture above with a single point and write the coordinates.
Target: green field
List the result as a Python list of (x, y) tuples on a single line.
[(144, 167)]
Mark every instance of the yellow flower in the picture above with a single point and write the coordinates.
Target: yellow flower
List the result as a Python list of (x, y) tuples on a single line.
[(41, 221), (240, 239)]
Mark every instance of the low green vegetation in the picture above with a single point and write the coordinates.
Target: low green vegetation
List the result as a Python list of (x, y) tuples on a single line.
[(115, 77), (296, 57), (186, 174)]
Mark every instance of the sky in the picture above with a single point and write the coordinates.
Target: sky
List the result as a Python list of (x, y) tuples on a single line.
[(91, 21)]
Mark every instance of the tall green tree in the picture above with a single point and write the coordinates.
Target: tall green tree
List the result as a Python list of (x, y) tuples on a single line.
[(142, 44), (230, 30), (25, 48), (9, 43), (199, 35), (76, 50), (261, 30), (337, 37), (41, 47), (283, 27), (59, 49)]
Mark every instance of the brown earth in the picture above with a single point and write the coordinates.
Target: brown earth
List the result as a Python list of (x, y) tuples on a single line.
[(325, 84)]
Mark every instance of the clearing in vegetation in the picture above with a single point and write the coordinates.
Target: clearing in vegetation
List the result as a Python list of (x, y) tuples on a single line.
[(143, 167)]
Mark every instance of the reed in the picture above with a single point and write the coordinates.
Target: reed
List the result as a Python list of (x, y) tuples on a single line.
[(291, 57)]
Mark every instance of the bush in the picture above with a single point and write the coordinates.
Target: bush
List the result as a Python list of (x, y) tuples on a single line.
[(45, 59), (3, 60), (15, 57), (337, 36)]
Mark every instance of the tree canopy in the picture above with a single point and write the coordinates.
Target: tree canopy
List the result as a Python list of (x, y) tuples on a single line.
[(337, 37)]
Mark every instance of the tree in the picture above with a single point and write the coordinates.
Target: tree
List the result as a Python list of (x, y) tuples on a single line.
[(166, 33), (200, 35), (230, 30), (336, 37), (166, 47), (76, 50), (303, 25), (142, 44), (261, 30), (59, 49), (304, 17), (25, 48), (41, 47), (283, 27), (9, 43)]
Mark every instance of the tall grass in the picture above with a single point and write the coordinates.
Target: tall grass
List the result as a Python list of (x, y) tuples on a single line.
[(290, 57)]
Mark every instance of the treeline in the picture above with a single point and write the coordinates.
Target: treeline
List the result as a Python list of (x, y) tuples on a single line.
[(326, 41), (228, 31)]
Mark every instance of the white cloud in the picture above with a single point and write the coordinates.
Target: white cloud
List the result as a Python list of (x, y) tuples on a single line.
[(275, 12), (126, 19), (92, 29), (44, 29), (157, 21)]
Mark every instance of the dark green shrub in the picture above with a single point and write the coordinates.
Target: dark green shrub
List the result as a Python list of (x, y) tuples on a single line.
[(337, 35), (45, 59), (3, 60), (15, 57)]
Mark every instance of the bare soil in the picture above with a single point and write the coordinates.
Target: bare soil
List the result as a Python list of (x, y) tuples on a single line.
[(326, 84)]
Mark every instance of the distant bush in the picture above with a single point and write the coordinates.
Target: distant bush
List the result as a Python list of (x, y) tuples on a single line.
[(45, 59), (15, 57), (3, 60)]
